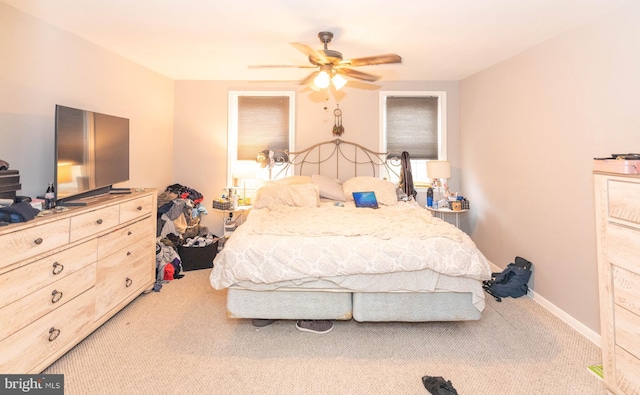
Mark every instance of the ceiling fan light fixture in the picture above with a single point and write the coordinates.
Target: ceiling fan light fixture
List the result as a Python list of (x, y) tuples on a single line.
[(322, 80), (338, 81), (330, 62)]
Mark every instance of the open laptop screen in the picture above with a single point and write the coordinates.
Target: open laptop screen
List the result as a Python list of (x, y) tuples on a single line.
[(365, 199)]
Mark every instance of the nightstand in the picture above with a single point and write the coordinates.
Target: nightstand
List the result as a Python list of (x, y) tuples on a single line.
[(441, 212), (238, 216)]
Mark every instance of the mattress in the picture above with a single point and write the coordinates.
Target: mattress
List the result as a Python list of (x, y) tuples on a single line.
[(295, 243)]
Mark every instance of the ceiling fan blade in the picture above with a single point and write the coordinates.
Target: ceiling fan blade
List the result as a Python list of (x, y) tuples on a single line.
[(310, 52), (357, 74), (281, 65), (309, 78), (372, 60)]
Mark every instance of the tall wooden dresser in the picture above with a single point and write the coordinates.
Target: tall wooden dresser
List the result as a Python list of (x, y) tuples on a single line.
[(63, 275), (617, 199)]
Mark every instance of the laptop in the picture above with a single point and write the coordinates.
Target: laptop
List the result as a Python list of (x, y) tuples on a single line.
[(365, 199)]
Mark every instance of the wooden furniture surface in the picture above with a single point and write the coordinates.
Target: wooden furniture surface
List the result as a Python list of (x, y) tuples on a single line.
[(64, 274), (617, 199)]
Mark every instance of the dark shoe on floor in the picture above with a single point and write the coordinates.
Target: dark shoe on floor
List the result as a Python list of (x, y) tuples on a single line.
[(314, 326), (259, 322), (438, 386)]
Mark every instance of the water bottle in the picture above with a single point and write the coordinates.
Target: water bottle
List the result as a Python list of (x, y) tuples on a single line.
[(430, 197)]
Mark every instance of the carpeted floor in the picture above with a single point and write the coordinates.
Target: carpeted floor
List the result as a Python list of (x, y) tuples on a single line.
[(179, 341)]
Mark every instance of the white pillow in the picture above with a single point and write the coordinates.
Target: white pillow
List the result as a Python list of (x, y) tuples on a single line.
[(385, 190), (330, 188), (291, 180), (296, 195)]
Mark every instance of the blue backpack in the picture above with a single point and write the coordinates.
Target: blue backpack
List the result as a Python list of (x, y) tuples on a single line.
[(512, 281)]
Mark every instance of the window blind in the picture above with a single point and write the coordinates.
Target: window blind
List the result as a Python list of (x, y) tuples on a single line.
[(412, 126), (263, 122)]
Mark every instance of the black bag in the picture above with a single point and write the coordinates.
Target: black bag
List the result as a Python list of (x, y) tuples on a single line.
[(512, 281)]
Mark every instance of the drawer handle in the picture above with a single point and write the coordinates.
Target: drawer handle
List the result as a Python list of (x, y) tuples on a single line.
[(128, 282), (57, 268), (38, 240), (128, 253), (53, 334), (99, 222), (129, 233), (56, 296), (139, 208)]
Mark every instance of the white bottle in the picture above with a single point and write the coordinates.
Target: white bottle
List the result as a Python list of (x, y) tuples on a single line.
[(234, 201)]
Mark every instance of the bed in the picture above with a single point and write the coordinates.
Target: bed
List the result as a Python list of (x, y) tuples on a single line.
[(305, 251)]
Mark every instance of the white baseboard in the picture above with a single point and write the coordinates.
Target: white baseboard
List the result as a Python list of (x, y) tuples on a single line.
[(555, 310), (572, 322)]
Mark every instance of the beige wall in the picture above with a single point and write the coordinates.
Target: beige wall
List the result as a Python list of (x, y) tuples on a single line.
[(530, 128), (43, 66), (201, 114)]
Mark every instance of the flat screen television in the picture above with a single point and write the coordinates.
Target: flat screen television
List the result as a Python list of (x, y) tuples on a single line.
[(91, 153)]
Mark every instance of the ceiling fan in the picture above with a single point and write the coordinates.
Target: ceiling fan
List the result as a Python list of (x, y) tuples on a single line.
[(332, 66)]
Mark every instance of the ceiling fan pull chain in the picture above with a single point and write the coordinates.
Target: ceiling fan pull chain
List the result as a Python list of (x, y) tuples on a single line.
[(338, 129)]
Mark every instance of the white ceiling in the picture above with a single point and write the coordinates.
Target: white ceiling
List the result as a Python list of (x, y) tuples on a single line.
[(218, 39)]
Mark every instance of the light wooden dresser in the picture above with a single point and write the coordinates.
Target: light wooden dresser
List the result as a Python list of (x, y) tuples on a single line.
[(63, 275), (617, 199)]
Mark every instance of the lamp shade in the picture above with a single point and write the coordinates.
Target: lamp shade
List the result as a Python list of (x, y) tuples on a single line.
[(244, 169), (438, 169), (338, 81), (322, 80)]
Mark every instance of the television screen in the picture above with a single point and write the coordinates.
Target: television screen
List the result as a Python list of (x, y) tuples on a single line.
[(92, 152)]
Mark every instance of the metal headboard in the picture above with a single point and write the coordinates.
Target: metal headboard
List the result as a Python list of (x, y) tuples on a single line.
[(333, 156)]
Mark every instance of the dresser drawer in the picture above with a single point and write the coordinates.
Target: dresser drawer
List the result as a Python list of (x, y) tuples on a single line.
[(627, 330), (623, 246), (123, 274), (93, 222), (20, 282), (124, 237), (626, 289), (135, 208), (627, 376), (33, 306), (30, 242), (624, 200), (41, 339)]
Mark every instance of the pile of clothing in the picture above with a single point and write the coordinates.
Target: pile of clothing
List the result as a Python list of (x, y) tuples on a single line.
[(17, 212), (168, 262), (179, 211)]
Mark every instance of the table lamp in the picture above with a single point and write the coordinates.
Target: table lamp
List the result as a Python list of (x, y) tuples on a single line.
[(438, 170), (243, 170)]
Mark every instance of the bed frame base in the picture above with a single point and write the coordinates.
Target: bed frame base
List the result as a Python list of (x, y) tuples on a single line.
[(363, 307), (288, 305), (414, 307)]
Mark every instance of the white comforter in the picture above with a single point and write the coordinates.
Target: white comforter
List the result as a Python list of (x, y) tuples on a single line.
[(294, 246)]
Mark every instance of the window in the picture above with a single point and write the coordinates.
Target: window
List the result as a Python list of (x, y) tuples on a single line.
[(257, 121), (414, 122)]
